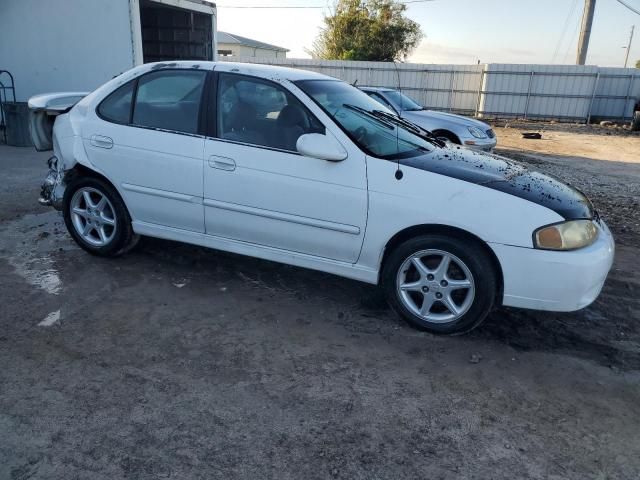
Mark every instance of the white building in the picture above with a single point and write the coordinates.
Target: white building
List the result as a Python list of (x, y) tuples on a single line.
[(232, 45), (77, 45)]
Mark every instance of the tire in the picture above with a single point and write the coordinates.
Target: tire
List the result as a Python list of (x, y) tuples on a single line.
[(447, 136), (85, 220), (469, 264)]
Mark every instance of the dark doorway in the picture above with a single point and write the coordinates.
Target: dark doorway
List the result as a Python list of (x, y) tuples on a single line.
[(170, 33)]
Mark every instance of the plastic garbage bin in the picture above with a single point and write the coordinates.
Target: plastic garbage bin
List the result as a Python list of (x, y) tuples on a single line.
[(16, 115)]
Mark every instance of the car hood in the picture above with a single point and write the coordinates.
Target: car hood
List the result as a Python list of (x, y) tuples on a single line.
[(504, 175), (416, 115)]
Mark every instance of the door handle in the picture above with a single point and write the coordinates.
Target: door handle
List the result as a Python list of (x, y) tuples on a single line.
[(222, 163), (101, 141)]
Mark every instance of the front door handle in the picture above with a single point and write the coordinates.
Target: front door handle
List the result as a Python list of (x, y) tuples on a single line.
[(222, 163), (101, 141)]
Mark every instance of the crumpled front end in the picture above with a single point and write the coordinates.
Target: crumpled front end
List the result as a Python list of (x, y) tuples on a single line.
[(52, 189)]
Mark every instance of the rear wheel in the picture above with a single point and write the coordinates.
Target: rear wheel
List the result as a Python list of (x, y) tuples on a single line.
[(97, 218), (440, 283)]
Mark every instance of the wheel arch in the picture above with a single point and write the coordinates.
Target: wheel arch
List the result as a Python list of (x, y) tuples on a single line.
[(447, 133), (82, 171), (432, 229)]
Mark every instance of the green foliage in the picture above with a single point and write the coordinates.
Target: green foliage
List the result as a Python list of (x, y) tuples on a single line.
[(638, 64), (374, 30)]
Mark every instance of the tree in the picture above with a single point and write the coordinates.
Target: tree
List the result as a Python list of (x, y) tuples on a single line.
[(638, 64), (375, 30)]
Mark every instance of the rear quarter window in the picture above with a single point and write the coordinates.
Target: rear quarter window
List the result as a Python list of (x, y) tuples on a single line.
[(117, 106)]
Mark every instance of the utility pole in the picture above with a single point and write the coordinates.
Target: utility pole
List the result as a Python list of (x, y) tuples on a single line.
[(626, 55), (585, 31)]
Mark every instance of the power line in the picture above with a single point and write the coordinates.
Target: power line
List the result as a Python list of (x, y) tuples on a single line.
[(568, 51), (564, 30), (628, 47), (622, 2), (405, 2), (271, 6)]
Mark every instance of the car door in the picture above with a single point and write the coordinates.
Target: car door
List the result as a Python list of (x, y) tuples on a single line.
[(259, 189), (146, 138)]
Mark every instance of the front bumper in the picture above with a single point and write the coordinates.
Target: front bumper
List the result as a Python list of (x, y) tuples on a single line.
[(52, 189), (484, 144), (555, 281)]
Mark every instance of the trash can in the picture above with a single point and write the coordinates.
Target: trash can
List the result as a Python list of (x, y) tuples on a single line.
[(16, 116)]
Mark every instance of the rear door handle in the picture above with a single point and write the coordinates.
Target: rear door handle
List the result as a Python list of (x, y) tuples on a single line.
[(222, 163), (101, 141)]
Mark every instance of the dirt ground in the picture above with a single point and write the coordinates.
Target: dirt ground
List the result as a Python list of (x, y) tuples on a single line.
[(180, 362)]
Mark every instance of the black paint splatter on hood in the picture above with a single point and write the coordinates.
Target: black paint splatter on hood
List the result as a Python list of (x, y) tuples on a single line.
[(504, 175)]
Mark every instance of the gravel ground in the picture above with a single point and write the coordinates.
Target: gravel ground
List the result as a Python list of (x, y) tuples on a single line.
[(180, 362)]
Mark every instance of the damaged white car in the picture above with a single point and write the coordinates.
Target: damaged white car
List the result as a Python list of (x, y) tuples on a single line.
[(303, 169)]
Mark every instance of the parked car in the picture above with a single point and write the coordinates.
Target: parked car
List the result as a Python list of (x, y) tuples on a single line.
[(447, 126), (303, 169)]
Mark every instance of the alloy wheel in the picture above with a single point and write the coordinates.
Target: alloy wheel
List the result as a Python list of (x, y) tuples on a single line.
[(435, 285), (93, 216)]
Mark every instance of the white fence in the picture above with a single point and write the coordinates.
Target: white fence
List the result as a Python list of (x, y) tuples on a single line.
[(549, 92)]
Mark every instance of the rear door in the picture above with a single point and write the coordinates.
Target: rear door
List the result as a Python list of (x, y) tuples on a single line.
[(147, 138), (259, 189)]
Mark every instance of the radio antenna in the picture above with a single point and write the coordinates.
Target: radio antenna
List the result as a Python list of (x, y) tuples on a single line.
[(399, 173)]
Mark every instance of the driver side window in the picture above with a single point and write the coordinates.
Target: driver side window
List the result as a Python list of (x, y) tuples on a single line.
[(261, 113)]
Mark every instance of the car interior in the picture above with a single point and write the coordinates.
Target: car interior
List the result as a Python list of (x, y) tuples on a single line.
[(262, 114)]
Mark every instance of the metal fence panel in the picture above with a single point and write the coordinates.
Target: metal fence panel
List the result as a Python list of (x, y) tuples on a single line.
[(551, 92)]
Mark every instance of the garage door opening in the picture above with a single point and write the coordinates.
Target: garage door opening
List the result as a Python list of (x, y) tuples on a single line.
[(171, 33)]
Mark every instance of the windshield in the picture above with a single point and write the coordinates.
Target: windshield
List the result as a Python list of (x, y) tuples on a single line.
[(353, 111), (402, 102)]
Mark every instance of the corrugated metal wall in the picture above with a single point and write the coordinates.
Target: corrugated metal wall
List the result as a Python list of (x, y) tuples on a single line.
[(550, 92)]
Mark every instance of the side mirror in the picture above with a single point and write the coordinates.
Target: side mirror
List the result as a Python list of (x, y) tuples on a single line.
[(324, 147)]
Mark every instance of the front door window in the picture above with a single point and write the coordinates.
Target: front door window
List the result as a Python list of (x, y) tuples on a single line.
[(261, 113)]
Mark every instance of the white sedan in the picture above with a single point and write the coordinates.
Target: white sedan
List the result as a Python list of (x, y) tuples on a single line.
[(303, 169)]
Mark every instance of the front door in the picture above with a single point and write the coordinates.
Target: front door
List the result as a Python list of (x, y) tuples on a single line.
[(152, 151), (258, 189)]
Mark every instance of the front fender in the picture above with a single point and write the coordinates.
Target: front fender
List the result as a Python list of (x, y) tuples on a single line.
[(427, 198)]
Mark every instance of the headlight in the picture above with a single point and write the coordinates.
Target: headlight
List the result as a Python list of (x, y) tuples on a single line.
[(476, 132), (566, 236)]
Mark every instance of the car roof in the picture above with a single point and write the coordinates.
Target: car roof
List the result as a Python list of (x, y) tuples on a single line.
[(376, 89), (255, 69)]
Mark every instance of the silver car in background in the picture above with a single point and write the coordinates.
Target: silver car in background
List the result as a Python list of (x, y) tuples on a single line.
[(447, 126)]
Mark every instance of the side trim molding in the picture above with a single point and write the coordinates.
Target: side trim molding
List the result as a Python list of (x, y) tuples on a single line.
[(285, 217), (182, 197)]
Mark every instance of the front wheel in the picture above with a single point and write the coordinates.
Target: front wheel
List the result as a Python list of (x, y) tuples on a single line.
[(97, 218), (439, 283), (447, 137)]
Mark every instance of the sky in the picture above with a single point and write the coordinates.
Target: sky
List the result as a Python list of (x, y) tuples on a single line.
[(460, 31)]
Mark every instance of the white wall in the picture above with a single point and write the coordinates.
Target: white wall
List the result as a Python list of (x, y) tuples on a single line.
[(64, 45)]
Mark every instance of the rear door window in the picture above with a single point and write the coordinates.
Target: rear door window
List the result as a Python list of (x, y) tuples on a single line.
[(169, 100)]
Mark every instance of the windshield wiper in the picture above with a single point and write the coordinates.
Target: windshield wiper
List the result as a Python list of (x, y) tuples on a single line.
[(412, 127), (389, 120), (366, 112)]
